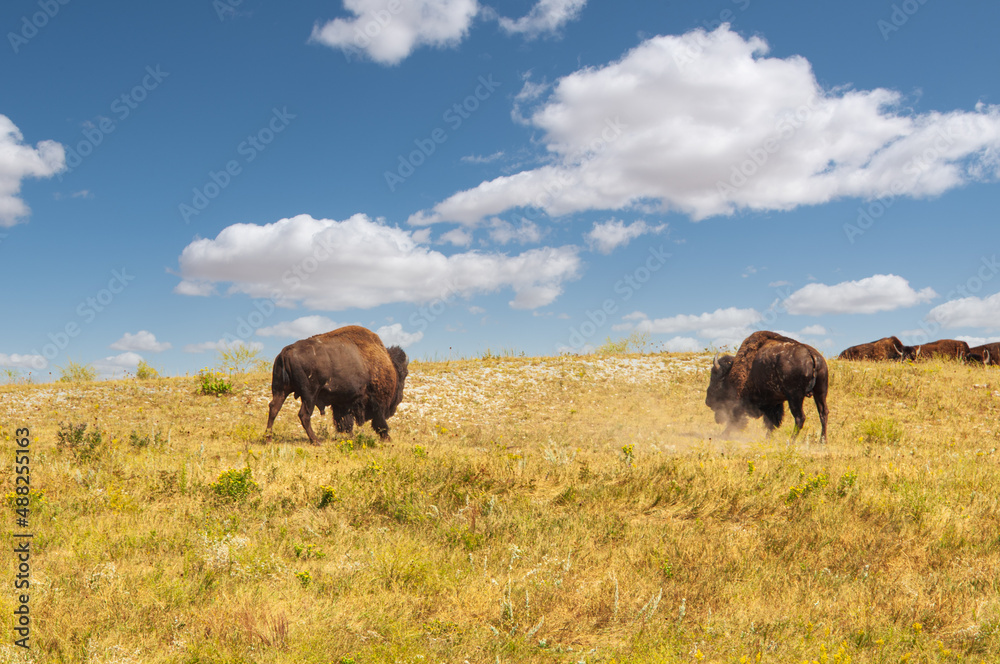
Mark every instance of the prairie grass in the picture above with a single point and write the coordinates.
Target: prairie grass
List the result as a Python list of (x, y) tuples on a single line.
[(527, 510)]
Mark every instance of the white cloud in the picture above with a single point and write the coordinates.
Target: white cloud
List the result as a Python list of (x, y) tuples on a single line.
[(881, 292), (503, 232), (388, 32), (457, 237), (813, 330), (675, 120), (975, 341), (116, 365), (222, 345), (968, 312), (607, 236), (23, 361), (477, 159), (19, 161), (300, 328), (683, 345), (331, 265), (395, 335), (546, 16), (142, 340), (731, 322), (779, 284)]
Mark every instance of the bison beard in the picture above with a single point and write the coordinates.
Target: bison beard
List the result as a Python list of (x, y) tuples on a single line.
[(349, 370), (768, 370)]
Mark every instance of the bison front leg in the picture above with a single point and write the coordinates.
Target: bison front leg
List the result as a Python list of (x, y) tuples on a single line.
[(773, 416), (344, 421), (380, 425), (305, 416), (277, 400)]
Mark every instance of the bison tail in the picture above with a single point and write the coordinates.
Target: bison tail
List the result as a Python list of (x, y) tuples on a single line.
[(812, 379), (280, 380)]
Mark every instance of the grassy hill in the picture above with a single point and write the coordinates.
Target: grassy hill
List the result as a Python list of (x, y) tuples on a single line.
[(527, 510)]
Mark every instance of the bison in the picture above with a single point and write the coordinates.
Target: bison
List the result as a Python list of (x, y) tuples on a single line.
[(950, 348), (888, 348), (768, 370), (349, 370), (988, 354)]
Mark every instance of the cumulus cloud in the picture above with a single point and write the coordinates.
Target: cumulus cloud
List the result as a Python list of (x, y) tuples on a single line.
[(19, 161), (143, 340), (222, 345), (683, 345), (395, 335), (881, 292), (504, 232), (457, 237), (332, 265), (22, 361), (547, 16), (707, 124), (730, 322), (973, 311), (300, 328), (116, 365), (976, 341), (388, 32), (607, 236)]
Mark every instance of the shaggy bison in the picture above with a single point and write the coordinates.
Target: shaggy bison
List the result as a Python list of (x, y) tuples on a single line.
[(988, 354), (950, 348), (349, 370), (888, 348), (767, 371)]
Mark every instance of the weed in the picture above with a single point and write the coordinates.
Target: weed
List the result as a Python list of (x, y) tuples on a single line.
[(212, 383), (83, 445), (75, 372), (879, 431), (234, 485)]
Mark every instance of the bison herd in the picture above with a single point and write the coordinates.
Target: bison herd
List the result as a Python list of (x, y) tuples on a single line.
[(351, 371)]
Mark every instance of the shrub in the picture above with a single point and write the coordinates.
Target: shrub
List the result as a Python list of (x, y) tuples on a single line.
[(83, 445), (75, 372), (213, 383), (145, 372), (239, 359), (327, 496), (138, 442), (235, 485)]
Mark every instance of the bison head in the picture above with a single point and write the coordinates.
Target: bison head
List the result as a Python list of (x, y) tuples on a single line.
[(721, 396), (401, 364), (908, 353)]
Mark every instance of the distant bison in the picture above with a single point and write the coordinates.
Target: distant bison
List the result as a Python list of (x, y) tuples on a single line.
[(348, 369), (767, 371), (988, 354), (888, 348), (949, 348)]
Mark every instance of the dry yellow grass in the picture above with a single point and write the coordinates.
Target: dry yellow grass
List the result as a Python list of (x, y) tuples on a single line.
[(528, 509)]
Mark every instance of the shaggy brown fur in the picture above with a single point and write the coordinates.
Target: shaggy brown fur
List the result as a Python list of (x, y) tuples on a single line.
[(988, 354), (887, 348), (768, 370), (945, 348), (349, 370)]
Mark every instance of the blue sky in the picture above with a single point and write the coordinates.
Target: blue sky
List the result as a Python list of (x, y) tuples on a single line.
[(535, 176)]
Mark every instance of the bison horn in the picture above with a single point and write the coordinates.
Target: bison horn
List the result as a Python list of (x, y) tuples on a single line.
[(715, 362), (986, 357)]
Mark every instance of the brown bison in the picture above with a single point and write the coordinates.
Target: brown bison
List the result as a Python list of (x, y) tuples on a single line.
[(767, 371), (349, 370), (888, 348), (988, 354), (950, 348)]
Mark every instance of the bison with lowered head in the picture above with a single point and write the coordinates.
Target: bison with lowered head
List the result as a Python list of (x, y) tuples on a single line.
[(767, 371), (888, 348), (949, 348), (349, 370), (988, 354)]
